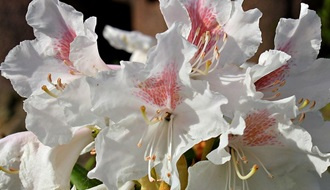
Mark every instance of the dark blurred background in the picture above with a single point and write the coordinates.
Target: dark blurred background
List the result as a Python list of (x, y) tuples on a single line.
[(141, 15)]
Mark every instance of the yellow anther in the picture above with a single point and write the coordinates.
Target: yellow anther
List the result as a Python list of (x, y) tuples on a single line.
[(44, 88), (8, 171), (304, 104), (72, 72), (245, 177)]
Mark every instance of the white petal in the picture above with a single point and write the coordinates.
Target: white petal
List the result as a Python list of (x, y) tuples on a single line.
[(300, 38), (128, 41), (42, 167)]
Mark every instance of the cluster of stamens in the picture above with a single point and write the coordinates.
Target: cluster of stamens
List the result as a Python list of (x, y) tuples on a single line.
[(164, 119), (238, 161), (274, 87), (203, 60), (304, 105), (58, 86)]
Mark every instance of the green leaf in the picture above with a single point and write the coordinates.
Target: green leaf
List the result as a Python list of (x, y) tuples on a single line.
[(80, 180)]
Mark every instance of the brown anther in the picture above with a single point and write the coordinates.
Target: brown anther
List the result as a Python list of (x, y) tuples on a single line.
[(312, 105), (148, 158), (72, 72), (302, 117), (168, 174), (49, 78), (60, 84), (275, 90), (276, 82), (225, 36), (300, 100), (143, 108), (282, 83), (153, 158), (158, 111)]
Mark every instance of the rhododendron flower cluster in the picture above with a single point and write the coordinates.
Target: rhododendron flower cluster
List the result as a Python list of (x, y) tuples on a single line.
[(187, 111)]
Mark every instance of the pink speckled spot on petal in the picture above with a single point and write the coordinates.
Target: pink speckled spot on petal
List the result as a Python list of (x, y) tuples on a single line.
[(260, 130), (62, 45), (202, 17), (161, 90), (273, 78)]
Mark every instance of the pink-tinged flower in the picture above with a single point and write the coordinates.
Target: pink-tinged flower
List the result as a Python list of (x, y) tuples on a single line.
[(133, 42), (28, 164), (301, 75), (159, 113), (262, 150), (64, 49), (222, 31)]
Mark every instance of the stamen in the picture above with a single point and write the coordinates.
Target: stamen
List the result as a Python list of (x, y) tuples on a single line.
[(312, 105), (145, 117), (301, 117), (263, 166), (196, 34), (73, 72), (273, 97), (8, 171), (49, 78), (206, 70), (304, 104), (44, 88), (245, 177), (60, 84)]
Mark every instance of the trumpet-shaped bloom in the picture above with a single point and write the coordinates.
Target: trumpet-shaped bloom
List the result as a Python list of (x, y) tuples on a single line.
[(217, 28), (28, 164), (262, 150), (65, 48), (159, 114), (301, 75)]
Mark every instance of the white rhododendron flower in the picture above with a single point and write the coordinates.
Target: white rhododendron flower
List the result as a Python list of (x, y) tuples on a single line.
[(159, 114), (188, 111), (65, 48), (301, 75), (28, 164), (262, 150), (217, 28)]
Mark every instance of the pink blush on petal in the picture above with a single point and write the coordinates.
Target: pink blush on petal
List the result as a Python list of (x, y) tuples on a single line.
[(161, 90), (62, 45)]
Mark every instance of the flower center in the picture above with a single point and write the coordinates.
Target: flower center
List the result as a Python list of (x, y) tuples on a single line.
[(59, 86), (158, 139)]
